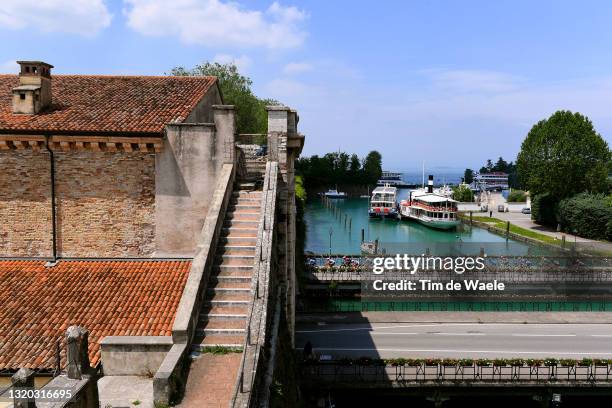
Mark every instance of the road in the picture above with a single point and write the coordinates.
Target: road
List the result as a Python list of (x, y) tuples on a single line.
[(458, 340)]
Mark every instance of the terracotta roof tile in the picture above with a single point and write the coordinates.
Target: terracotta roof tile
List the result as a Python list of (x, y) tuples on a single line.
[(107, 298), (115, 104)]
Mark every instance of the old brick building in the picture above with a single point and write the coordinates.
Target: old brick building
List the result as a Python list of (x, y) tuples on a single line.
[(107, 166), (105, 182)]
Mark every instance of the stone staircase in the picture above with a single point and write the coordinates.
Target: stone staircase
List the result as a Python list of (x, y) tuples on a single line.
[(256, 168), (223, 318)]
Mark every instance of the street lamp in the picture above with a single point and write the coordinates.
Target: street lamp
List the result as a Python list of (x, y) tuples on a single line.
[(331, 231)]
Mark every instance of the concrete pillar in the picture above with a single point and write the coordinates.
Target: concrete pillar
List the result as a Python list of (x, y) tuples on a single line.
[(282, 128), (77, 359), (225, 124), (23, 380)]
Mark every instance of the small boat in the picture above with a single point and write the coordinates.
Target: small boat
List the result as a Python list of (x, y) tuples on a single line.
[(431, 208), (334, 193), (383, 202)]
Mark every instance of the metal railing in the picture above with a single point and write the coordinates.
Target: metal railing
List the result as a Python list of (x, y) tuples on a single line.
[(262, 276), (337, 373)]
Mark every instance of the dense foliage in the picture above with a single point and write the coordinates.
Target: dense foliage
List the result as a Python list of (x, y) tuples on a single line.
[(588, 215), (543, 208), (563, 156), (468, 176), (517, 196), (463, 193), (251, 116), (339, 168)]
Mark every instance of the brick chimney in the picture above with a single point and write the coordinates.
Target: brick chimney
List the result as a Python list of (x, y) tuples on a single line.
[(34, 91)]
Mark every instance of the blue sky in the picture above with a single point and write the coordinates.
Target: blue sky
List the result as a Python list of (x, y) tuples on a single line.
[(452, 83)]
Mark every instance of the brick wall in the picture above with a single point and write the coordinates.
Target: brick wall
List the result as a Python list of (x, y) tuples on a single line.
[(105, 204), (25, 204)]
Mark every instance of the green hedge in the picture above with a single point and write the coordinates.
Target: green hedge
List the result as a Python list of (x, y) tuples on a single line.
[(543, 208), (588, 215), (517, 196)]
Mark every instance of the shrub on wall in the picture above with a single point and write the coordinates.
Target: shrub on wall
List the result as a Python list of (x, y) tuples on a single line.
[(588, 215), (543, 209)]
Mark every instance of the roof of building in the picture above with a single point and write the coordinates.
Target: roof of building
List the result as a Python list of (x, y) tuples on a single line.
[(108, 298), (84, 104)]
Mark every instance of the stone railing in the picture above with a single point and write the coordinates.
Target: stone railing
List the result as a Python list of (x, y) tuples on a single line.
[(171, 375), (73, 386), (252, 367)]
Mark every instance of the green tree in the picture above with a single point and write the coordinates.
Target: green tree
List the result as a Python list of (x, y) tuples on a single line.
[(372, 167), (354, 167), (463, 193), (501, 165), (562, 156), (251, 116), (468, 176)]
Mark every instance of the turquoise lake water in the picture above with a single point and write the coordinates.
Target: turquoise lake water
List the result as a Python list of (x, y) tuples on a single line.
[(395, 236)]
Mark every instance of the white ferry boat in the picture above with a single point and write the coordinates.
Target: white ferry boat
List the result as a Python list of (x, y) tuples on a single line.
[(384, 202), (432, 209), (390, 178), (334, 193)]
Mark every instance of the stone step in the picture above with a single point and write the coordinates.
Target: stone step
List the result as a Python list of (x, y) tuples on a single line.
[(247, 194), (217, 340), (236, 250), (239, 232), (241, 223), (229, 310), (230, 278), (248, 205), (247, 186), (221, 269), (243, 216), (223, 326), (238, 241), (246, 261), (228, 299), (229, 290), (232, 285), (205, 317)]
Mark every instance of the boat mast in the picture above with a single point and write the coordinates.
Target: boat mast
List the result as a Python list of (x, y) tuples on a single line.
[(423, 173)]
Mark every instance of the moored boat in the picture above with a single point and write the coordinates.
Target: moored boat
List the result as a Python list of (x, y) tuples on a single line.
[(383, 202), (432, 209), (334, 193)]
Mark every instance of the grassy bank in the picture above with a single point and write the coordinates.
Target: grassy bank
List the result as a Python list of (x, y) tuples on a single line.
[(499, 226)]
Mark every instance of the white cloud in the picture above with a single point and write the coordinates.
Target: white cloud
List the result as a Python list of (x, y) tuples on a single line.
[(218, 24), (296, 68), (473, 80), (9, 67), (243, 63), (84, 17)]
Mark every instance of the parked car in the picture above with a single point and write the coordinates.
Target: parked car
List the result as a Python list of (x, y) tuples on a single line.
[(484, 208), (526, 210), (501, 208)]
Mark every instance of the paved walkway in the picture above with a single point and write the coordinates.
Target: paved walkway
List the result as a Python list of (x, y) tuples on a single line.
[(211, 381)]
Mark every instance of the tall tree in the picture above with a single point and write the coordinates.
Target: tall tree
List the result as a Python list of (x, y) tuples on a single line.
[(251, 116), (501, 165), (564, 155), (372, 167), (468, 176)]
